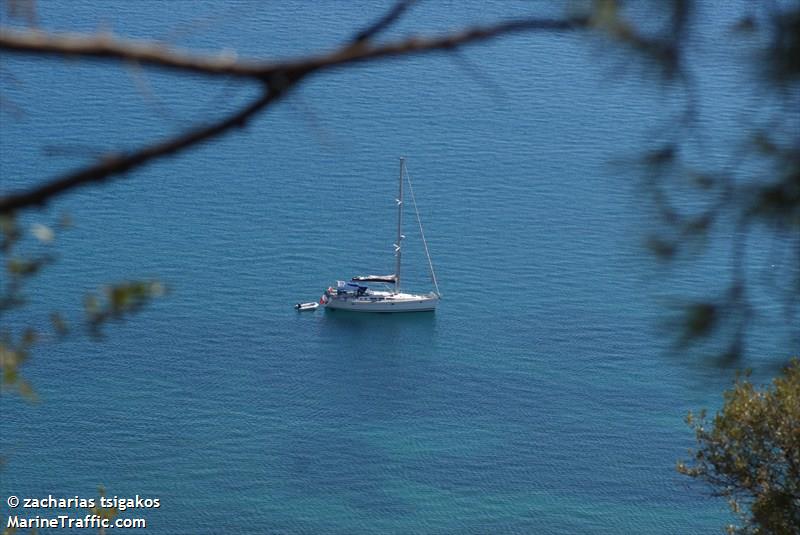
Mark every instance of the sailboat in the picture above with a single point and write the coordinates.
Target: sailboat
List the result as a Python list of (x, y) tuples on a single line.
[(356, 295)]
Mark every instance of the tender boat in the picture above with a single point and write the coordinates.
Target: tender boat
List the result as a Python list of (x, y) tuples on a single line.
[(306, 306), (357, 296)]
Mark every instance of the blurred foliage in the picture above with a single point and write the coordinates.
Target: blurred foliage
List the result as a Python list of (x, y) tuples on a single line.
[(12, 356), (24, 260), (19, 269), (760, 187), (750, 454), (663, 47), (119, 301), (115, 302), (783, 58)]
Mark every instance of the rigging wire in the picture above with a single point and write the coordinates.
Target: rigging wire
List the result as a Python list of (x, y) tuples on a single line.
[(422, 232)]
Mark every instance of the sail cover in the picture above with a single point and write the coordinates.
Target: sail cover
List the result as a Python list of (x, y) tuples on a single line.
[(375, 278)]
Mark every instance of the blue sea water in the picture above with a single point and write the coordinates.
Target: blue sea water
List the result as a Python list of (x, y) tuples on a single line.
[(540, 397)]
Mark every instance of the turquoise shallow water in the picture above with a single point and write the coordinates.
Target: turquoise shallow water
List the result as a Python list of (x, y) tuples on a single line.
[(537, 399)]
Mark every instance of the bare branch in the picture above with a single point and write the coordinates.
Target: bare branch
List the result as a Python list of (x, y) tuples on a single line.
[(417, 45), (119, 164), (387, 20), (106, 46), (277, 77)]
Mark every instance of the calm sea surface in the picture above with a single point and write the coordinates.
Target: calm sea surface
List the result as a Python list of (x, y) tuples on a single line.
[(539, 398)]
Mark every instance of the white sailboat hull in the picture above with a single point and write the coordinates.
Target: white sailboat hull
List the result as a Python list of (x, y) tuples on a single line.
[(390, 303)]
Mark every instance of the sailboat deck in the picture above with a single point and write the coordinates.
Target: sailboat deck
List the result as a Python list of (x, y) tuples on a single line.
[(383, 301)]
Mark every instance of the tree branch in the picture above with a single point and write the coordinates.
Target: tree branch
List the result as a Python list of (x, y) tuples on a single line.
[(277, 77), (384, 22), (119, 164), (105, 46), (417, 45)]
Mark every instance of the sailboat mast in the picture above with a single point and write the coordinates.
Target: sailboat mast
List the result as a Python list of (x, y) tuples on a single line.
[(398, 245)]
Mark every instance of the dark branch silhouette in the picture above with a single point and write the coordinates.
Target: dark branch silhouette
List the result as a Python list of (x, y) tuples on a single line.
[(106, 46), (384, 22), (119, 164), (277, 77)]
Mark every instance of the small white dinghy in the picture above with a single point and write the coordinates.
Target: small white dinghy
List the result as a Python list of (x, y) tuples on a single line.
[(306, 306)]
